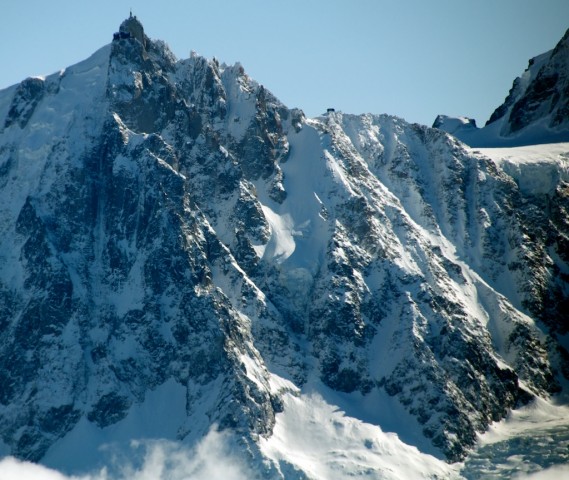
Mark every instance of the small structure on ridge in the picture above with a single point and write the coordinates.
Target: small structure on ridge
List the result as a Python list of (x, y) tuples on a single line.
[(131, 28)]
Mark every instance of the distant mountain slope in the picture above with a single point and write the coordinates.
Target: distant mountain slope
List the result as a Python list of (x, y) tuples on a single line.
[(175, 240), (535, 111)]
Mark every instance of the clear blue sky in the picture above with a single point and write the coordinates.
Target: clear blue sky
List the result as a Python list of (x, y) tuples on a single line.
[(412, 58)]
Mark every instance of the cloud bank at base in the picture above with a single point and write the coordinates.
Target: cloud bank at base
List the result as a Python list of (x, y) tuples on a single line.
[(211, 458), (553, 473)]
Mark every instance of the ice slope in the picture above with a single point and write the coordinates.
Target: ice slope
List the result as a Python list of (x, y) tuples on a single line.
[(322, 442), (537, 169)]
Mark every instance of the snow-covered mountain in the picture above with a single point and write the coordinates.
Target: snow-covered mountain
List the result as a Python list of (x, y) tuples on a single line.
[(179, 251), (535, 111)]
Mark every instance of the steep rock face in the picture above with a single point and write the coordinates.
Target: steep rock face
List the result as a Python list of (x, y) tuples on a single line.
[(107, 291), (168, 220), (536, 109), (391, 305), (540, 94)]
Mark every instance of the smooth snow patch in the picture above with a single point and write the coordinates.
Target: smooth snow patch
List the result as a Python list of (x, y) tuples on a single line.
[(280, 385), (319, 439), (281, 244), (254, 371), (299, 232)]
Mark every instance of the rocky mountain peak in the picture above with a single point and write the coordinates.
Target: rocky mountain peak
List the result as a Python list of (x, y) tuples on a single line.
[(542, 92), (169, 229), (131, 28), (536, 109), (454, 124)]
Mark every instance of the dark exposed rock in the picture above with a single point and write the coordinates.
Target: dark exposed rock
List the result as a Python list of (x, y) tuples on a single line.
[(541, 93), (28, 94), (109, 409)]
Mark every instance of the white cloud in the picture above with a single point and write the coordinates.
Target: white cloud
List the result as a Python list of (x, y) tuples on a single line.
[(211, 459), (12, 469), (553, 473)]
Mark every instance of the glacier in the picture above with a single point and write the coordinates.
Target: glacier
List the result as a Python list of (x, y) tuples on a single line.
[(187, 264)]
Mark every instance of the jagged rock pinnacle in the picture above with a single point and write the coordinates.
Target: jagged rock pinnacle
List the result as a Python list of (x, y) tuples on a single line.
[(131, 28)]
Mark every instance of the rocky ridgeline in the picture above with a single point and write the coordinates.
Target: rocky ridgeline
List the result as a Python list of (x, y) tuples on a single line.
[(536, 109), (541, 92)]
